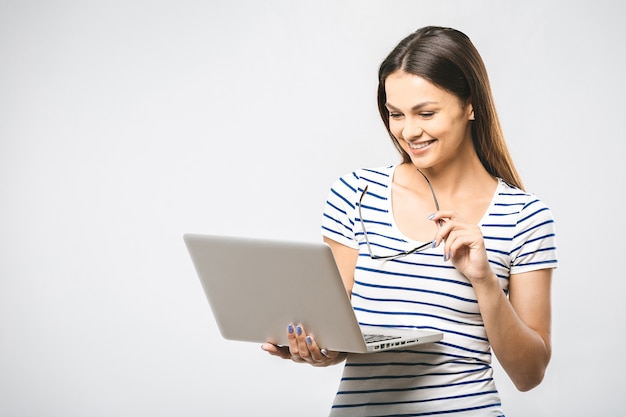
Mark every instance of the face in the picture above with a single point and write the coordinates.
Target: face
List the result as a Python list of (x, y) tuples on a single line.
[(430, 124)]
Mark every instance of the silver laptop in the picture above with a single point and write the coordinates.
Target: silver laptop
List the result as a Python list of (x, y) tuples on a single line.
[(257, 287)]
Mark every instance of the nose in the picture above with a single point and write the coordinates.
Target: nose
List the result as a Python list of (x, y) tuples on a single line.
[(411, 129)]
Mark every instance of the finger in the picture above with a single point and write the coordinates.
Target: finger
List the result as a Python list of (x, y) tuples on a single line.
[(456, 239), (295, 345), (291, 337), (444, 226), (275, 350), (316, 353), (303, 347), (448, 237), (443, 216), (270, 348), (449, 224), (460, 240)]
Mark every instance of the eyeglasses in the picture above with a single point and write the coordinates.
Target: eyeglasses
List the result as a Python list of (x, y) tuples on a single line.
[(403, 253)]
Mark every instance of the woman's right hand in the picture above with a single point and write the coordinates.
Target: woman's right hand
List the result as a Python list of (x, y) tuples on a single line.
[(303, 349)]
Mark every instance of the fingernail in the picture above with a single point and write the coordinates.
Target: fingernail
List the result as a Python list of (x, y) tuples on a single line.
[(309, 341), (434, 244), (324, 352), (298, 330), (290, 329), (432, 216)]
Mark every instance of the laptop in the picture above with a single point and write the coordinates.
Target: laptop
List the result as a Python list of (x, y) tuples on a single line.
[(256, 287)]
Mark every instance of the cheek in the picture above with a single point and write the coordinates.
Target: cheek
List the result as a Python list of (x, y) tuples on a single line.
[(396, 129), (443, 128), (458, 128)]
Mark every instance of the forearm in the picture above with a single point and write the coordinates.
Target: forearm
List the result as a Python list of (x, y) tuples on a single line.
[(522, 351)]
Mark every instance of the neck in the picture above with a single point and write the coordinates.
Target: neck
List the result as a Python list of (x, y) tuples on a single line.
[(467, 177)]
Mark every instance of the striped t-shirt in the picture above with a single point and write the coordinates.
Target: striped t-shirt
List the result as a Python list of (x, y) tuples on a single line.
[(452, 377)]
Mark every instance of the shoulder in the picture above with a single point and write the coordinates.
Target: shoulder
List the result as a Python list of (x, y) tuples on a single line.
[(358, 178), (531, 224), (533, 239), (526, 204)]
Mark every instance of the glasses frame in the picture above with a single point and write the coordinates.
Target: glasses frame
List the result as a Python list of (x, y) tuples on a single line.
[(403, 253)]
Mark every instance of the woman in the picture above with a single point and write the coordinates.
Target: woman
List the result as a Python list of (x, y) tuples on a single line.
[(484, 279)]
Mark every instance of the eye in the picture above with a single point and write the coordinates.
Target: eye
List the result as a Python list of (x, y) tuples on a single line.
[(395, 115), (427, 114)]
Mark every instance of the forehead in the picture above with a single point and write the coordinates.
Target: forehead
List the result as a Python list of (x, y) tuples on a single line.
[(403, 88)]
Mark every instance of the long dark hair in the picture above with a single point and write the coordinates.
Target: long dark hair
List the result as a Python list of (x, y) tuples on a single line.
[(447, 58)]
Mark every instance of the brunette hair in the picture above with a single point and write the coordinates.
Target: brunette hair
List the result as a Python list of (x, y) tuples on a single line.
[(447, 58)]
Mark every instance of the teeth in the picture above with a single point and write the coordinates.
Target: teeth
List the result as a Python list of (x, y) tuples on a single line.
[(419, 145)]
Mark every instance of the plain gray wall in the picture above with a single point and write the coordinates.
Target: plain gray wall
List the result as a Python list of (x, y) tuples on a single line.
[(125, 124)]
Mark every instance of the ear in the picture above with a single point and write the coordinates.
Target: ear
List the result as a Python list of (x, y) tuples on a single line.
[(470, 112)]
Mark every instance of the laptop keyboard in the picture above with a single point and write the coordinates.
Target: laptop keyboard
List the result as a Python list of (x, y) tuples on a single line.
[(372, 338)]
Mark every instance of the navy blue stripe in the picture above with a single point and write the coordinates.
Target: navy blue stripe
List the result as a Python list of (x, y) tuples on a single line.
[(548, 262), (346, 184), (333, 232), (346, 227), (339, 209), (537, 226), (374, 222), (420, 388), (529, 241), (436, 329), (370, 234), (406, 301), (367, 207), (343, 198), (398, 274), (448, 398), (371, 181), (412, 313)]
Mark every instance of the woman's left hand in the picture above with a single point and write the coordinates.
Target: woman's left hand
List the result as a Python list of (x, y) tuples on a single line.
[(463, 244), (304, 349)]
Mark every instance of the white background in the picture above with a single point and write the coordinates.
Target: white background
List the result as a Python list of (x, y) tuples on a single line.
[(125, 124)]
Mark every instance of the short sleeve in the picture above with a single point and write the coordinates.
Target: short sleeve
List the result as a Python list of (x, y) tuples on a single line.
[(534, 242), (339, 211)]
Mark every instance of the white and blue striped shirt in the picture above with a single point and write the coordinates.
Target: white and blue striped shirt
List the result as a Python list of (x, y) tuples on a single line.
[(454, 376)]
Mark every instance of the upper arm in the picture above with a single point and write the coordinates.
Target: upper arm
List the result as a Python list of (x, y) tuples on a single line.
[(530, 296), (346, 258)]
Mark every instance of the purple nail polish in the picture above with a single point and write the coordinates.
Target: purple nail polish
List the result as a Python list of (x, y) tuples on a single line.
[(309, 341), (290, 329), (298, 330)]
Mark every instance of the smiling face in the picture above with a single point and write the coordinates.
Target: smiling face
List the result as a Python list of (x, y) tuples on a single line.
[(431, 125)]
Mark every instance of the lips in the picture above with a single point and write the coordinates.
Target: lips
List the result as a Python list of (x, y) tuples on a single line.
[(420, 145)]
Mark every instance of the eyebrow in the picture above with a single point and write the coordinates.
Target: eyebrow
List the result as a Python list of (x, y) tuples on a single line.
[(414, 108)]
